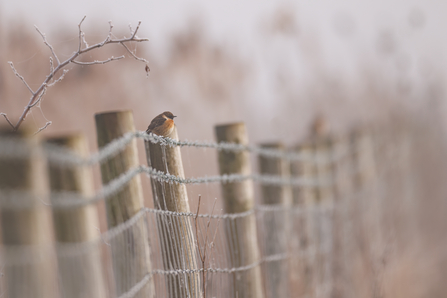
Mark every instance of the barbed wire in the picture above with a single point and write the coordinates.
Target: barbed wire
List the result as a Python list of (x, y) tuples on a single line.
[(265, 259), (64, 200), (25, 254), (14, 148)]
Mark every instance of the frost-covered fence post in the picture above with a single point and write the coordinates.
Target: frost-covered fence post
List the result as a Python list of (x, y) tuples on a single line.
[(275, 225), (80, 275), (130, 250), (176, 234), (303, 226), (28, 244), (239, 197)]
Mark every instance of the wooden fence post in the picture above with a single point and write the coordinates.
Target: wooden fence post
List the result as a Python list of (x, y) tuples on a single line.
[(239, 197), (342, 231), (367, 215), (176, 236), (130, 250), (81, 275), (324, 214), (28, 243), (303, 226), (275, 224)]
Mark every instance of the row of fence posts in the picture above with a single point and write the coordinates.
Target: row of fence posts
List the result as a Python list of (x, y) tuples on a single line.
[(29, 229)]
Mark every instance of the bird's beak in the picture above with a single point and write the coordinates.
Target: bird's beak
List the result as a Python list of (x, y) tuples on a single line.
[(175, 116)]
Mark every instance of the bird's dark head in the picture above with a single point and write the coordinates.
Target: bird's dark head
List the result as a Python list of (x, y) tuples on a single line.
[(169, 115)]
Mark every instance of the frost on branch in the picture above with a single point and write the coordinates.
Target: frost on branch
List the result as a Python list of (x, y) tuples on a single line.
[(57, 67)]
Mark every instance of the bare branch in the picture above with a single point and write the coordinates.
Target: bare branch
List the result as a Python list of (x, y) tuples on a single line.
[(40, 92), (98, 62), (109, 36), (7, 119), (59, 79), (133, 55), (83, 39), (147, 69), (208, 225), (40, 97), (48, 45), (202, 256), (51, 64), (20, 77), (81, 34), (136, 29), (43, 127), (215, 233), (197, 234)]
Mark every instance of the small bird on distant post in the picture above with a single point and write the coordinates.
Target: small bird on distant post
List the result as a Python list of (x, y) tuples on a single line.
[(162, 125)]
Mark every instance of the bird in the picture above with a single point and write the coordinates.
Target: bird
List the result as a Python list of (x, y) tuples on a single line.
[(162, 125)]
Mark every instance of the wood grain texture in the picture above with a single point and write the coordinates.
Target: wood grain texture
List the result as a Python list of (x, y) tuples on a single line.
[(177, 236), (27, 228), (80, 276), (239, 197), (275, 243), (133, 243)]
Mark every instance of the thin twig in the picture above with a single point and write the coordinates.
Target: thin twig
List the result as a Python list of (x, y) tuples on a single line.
[(7, 119), (208, 226), (43, 127), (48, 45), (109, 36), (133, 55), (40, 97), (215, 233), (51, 65), (147, 69), (59, 79), (202, 256), (136, 29), (197, 234), (81, 34), (83, 40), (20, 77), (98, 62)]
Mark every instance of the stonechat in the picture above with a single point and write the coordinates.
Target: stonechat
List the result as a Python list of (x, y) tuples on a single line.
[(162, 125)]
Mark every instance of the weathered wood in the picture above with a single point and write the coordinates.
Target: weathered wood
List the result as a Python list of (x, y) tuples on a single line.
[(364, 162), (303, 225), (130, 250), (275, 242), (27, 235), (325, 215), (81, 275), (342, 225), (176, 236), (239, 197)]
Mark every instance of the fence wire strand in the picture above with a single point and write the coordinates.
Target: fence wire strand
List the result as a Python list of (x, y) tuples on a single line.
[(315, 219)]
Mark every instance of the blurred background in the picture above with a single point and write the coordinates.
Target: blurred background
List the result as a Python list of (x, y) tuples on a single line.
[(276, 65)]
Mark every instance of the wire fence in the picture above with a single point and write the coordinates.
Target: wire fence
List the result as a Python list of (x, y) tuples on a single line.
[(325, 208)]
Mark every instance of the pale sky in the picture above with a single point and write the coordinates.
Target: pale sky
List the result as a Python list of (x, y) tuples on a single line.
[(239, 21)]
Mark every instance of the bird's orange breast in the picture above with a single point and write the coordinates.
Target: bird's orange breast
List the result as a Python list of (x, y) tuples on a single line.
[(164, 129)]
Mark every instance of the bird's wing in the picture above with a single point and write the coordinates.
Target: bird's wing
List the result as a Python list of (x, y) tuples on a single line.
[(157, 121)]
